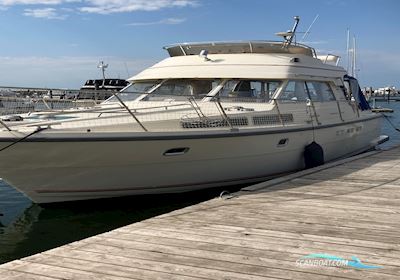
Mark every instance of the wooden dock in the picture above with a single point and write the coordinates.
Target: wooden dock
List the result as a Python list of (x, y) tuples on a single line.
[(351, 209)]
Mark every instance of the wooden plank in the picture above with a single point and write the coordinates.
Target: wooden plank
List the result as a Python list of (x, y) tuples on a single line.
[(282, 244), (116, 268), (255, 233), (335, 187), (224, 268), (263, 258), (282, 224), (333, 201), (276, 251), (220, 241), (14, 275), (326, 226), (278, 217), (321, 207), (216, 257), (60, 272), (162, 264)]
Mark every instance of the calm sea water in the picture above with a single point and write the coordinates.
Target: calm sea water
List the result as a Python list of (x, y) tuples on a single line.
[(27, 228)]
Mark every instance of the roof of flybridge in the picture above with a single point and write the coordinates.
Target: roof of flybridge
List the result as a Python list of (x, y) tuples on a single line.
[(260, 47), (240, 65), (246, 60)]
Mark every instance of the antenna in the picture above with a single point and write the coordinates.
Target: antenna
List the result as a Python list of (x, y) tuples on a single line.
[(296, 23), (309, 28), (126, 68), (289, 35), (103, 67)]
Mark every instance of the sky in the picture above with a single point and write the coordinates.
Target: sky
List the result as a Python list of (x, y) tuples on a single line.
[(59, 43)]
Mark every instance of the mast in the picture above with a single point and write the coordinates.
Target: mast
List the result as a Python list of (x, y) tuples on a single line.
[(354, 71), (348, 50)]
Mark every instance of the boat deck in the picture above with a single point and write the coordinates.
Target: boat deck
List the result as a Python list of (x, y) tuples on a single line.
[(349, 208)]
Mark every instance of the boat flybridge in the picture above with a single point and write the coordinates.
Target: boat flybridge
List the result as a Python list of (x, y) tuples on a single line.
[(212, 114)]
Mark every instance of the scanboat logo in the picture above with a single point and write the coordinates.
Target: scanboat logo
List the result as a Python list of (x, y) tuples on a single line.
[(318, 260)]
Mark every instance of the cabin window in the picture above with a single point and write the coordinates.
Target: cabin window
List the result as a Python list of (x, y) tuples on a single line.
[(345, 95), (133, 91), (249, 90), (320, 91), (182, 89), (303, 90), (294, 91), (347, 90)]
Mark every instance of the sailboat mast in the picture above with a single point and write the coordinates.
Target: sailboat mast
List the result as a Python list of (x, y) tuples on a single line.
[(348, 50), (354, 58)]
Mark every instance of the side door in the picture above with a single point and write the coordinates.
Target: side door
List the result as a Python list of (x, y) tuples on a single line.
[(324, 102)]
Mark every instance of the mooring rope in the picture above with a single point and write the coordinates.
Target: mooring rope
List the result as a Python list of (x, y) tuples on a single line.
[(391, 123), (38, 129)]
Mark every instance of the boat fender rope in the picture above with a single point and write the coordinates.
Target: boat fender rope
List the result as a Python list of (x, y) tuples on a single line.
[(391, 123), (226, 195), (37, 130)]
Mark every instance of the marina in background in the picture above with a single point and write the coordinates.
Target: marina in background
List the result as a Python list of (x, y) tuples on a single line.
[(381, 94), (22, 100)]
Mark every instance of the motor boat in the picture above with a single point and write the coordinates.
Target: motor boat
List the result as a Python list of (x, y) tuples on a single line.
[(210, 115), (101, 89)]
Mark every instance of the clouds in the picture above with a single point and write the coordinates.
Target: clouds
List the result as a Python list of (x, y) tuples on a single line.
[(47, 13), (103, 7), (34, 2), (167, 21), (118, 6)]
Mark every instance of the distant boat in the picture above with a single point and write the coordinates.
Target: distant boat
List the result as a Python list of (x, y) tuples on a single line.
[(382, 110), (101, 89)]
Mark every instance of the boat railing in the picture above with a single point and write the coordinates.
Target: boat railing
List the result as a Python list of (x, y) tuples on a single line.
[(179, 115), (194, 115), (19, 105), (230, 47)]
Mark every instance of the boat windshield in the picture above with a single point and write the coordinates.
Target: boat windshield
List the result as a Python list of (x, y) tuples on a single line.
[(133, 91), (182, 89), (249, 90)]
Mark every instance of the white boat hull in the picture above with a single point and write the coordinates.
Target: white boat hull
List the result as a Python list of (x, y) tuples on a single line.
[(57, 170)]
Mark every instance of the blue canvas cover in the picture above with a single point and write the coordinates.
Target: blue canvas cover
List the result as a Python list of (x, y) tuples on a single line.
[(357, 93)]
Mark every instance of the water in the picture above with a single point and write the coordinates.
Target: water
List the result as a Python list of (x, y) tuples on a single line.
[(27, 228), (393, 119)]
